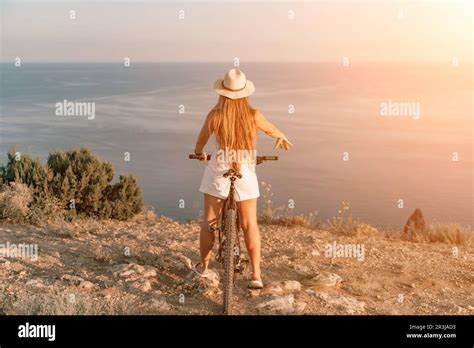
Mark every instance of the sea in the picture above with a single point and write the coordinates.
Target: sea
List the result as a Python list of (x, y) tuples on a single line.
[(385, 137)]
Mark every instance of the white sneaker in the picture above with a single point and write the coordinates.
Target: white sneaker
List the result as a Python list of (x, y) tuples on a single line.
[(208, 273), (256, 284)]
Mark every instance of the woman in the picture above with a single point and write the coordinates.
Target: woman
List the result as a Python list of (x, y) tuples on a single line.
[(234, 123)]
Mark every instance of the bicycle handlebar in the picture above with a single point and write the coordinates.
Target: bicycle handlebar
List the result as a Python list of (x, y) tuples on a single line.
[(199, 157), (260, 159)]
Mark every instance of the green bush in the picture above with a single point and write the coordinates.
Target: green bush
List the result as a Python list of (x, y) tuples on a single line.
[(125, 198), (31, 172), (79, 181)]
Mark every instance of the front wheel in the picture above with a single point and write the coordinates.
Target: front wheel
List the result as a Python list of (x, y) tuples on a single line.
[(230, 234)]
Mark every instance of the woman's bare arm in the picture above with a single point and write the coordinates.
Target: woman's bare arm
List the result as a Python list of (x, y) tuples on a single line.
[(269, 129), (265, 126), (204, 135)]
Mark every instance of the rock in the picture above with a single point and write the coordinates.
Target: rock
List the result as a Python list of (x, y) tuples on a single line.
[(86, 284), (124, 272), (300, 306), (78, 281), (302, 269), (159, 305), (149, 272), (349, 304), (326, 279), (209, 280), (144, 286), (273, 289), (182, 262), (72, 279), (134, 271), (5, 263), (277, 305), (291, 286), (254, 293), (35, 282), (352, 305), (212, 292), (188, 263)]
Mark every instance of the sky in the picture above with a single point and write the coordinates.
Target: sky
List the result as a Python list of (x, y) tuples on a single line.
[(152, 31)]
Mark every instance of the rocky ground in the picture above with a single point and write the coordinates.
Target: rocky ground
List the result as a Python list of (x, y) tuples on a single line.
[(143, 267)]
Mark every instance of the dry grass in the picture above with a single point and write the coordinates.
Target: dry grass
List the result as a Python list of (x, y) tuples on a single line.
[(72, 229), (345, 224), (14, 203), (449, 233), (52, 212), (17, 205), (27, 303), (283, 216), (295, 220), (110, 254), (147, 217)]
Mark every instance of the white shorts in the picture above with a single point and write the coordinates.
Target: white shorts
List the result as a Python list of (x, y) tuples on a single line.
[(213, 182)]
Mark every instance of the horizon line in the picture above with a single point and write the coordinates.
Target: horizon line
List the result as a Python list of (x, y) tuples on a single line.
[(230, 62)]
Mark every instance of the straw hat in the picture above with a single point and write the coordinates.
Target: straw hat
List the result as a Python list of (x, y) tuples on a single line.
[(234, 85)]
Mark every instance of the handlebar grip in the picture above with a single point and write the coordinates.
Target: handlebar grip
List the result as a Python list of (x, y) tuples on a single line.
[(199, 157), (268, 158)]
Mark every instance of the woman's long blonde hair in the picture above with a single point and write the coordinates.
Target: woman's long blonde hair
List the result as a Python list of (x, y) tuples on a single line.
[(233, 123)]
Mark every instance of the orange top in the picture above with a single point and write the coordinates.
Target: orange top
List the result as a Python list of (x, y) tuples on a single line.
[(260, 121)]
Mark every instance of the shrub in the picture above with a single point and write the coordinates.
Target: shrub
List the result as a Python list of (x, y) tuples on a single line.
[(75, 182), (31, 172), (14, 203), (81, 180), (126, 198)]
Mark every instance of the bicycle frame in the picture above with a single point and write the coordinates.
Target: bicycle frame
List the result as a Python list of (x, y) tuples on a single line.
[(230, 204), (228, 229)]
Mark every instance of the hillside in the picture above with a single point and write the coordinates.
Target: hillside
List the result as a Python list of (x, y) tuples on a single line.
[(142, 267)]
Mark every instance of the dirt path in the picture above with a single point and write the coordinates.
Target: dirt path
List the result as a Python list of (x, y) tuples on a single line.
[(143, 268)]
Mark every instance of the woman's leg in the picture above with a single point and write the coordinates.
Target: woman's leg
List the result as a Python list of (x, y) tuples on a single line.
[(212, 209), (248, 221)]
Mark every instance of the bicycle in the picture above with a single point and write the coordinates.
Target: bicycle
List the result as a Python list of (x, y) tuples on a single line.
[(228, 230)]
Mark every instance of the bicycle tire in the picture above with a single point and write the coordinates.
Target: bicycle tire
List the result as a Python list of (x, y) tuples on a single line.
[(230, 234)]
